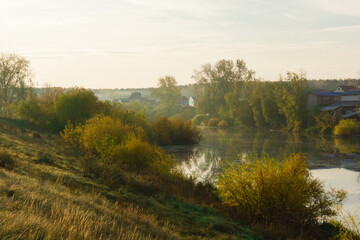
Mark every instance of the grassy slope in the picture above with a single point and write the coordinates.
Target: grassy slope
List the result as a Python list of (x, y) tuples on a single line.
[(46, 196)]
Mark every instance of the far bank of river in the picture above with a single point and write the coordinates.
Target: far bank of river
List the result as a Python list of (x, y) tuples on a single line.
[(334, 161)]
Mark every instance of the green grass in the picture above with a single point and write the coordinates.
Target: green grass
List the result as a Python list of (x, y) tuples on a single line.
[(46, 196)]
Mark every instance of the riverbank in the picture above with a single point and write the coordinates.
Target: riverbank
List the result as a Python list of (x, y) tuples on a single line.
[(45, 192)]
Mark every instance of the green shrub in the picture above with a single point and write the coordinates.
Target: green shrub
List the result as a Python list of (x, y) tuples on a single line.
[(6, 160), (347, 127), (55, 108), (213, 122), (167, 131), (199, 118), (223, 123), (75, 105), (32, 111), (277, 193)]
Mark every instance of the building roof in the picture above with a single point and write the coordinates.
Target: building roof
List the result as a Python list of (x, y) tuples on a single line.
[(355, 92), (327, 94), (122, 100), (334, 106), (347, 88), (334, 94), (351, 114), (184, 101), (135, 96)]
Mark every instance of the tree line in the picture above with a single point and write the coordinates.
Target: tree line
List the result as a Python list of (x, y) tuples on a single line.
[(230, 91), (227, 93)]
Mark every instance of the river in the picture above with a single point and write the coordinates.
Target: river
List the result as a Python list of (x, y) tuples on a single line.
[(334, 161)]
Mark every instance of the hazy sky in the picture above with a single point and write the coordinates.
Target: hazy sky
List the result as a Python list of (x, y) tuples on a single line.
[(131, 43)]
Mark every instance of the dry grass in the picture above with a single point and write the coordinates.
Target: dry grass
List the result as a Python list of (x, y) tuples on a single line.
[(46, 196), (34, 209), (51, 201)]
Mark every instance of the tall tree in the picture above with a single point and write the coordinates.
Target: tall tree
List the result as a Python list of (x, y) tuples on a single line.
[(238, 103), (255, 103), (217, 81), (270, 110), (169, 95), (15, 77), (291, 100)]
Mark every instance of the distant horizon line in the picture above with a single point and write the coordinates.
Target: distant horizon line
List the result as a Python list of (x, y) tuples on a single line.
[(189, 84)]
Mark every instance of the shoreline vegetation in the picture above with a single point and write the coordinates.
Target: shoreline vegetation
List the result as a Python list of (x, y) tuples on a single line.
[(83, 194), (120, 165), (75, 167)]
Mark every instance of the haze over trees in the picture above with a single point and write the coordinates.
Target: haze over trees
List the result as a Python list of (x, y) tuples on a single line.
[(218, 80), (231, 92), (227, 93), (169, 95)]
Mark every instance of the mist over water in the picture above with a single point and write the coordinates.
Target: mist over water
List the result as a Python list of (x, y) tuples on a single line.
[(334, 161)]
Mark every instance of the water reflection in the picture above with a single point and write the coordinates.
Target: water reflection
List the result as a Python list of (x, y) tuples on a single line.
[(334, 161), (345, 179), (204, 160)]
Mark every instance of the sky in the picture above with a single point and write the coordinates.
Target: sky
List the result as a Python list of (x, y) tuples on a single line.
[(132, 43)]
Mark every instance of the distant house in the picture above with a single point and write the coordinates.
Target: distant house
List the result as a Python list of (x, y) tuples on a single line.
[(343, 88), (192, 101), (322, 99), (341, 104), (135, 96), (184, 101), (121, 100)]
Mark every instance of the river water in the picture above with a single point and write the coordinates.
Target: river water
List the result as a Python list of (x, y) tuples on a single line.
[(334, 161)]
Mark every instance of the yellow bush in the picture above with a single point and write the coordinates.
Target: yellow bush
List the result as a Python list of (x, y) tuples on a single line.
[(347, 127), (99, 134), (114, 146), (141, 156), (72, 135), (278, 193), (100, 126)]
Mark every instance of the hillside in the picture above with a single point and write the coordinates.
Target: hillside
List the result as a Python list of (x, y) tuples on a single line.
[(44, 195)]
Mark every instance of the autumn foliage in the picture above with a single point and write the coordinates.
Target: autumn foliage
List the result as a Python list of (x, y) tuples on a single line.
[(271, 192)]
